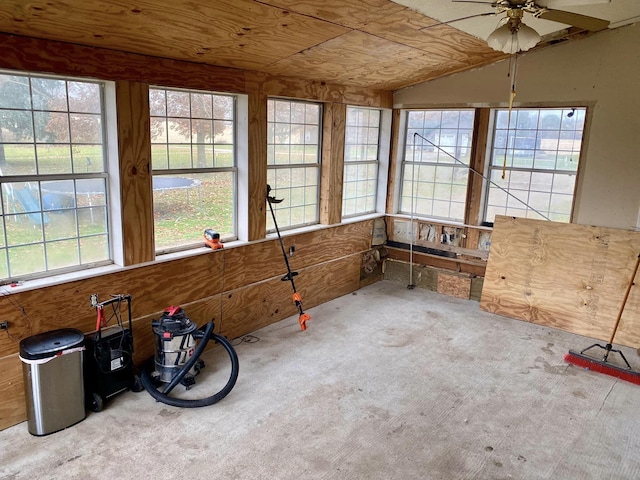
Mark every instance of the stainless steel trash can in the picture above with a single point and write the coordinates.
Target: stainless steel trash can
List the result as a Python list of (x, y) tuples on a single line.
[(53, 383)]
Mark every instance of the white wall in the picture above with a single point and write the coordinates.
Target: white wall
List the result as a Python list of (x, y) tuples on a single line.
[(601, 71)]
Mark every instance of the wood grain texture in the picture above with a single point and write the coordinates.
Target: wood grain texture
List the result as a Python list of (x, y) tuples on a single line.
[(318, 90), (334, 122), (153, 287), (566, 276), (260, 261), (13, 407), (240, 34), (328, 261), (366, 43), (437, 261), (394, 163), (476, 181), (257, 168), (454, 285), (134, 153), (46, 56), (246, 309), (354, 13), (36, 55)]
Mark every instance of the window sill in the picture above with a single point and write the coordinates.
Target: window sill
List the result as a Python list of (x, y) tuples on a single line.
[(35, 284)]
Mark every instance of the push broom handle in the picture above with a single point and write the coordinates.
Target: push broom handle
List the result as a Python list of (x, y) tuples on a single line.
[(626, 296)]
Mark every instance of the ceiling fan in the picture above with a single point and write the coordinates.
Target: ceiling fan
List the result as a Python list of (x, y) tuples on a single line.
[(514, 35)]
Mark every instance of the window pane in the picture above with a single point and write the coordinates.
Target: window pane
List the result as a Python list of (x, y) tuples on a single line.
[(539, 141), (438, 148), (44, 220), (293, 161), (197, 133), (84, 97), (184, 206), (361, 161)]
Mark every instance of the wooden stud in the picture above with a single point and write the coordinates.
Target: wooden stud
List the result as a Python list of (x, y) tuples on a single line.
[(334, 121), (394, 163), (134, 153), (257, 171), (475, 182)]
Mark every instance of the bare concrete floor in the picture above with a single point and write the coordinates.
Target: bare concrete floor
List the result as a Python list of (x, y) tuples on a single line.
[(386, 383)]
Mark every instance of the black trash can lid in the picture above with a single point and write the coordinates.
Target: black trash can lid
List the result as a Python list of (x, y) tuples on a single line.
[(49, 344)]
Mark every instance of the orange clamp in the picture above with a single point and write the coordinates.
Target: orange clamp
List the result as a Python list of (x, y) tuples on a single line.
[(304, 317)]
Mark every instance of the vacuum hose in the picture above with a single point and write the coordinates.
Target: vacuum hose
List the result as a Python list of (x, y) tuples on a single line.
[(164, 397)]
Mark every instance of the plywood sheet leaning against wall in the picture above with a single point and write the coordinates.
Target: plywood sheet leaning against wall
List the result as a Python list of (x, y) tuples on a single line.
[(566, 276)]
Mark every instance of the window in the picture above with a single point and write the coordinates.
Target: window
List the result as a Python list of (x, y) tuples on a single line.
[(362, 137), (293, 161), (436, 161), (194, 166), (53, 173), (539, 152)]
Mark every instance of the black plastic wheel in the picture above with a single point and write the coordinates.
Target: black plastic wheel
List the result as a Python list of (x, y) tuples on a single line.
[(136, 385), (96, 403)]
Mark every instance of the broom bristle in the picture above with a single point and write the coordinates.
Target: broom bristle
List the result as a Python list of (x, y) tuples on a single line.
[(602, 367)]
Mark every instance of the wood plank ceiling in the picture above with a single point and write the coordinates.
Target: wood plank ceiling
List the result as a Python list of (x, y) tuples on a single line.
[(367, 43)]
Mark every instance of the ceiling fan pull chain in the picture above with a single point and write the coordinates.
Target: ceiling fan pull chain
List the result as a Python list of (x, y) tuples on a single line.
[(513, 67)]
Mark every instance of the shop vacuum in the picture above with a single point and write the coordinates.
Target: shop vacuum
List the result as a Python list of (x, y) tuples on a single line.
[(179, 343)]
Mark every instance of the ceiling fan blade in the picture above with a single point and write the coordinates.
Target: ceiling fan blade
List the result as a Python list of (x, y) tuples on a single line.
[(584, 22), (569, 3), (459, 19)]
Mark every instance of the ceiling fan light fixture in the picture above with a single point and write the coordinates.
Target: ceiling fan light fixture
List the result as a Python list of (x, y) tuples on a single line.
[(510, 39)]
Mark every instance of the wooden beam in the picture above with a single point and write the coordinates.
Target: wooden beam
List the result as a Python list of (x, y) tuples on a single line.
[(454, 264), (478, 158), (134, 153), (394, 164), (257, 168), (48, 56), (334, 121)]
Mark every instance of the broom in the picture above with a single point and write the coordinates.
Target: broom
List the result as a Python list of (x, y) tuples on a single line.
[(603, 366)]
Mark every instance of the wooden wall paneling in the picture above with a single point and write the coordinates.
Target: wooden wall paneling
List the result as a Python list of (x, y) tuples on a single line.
[(134, 152), (327, 244), (153, 288), (260, 261), (334, 121), (566, 276), (249, 308), (257, 168), (394, 164), (475, 182), (13, 407)]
